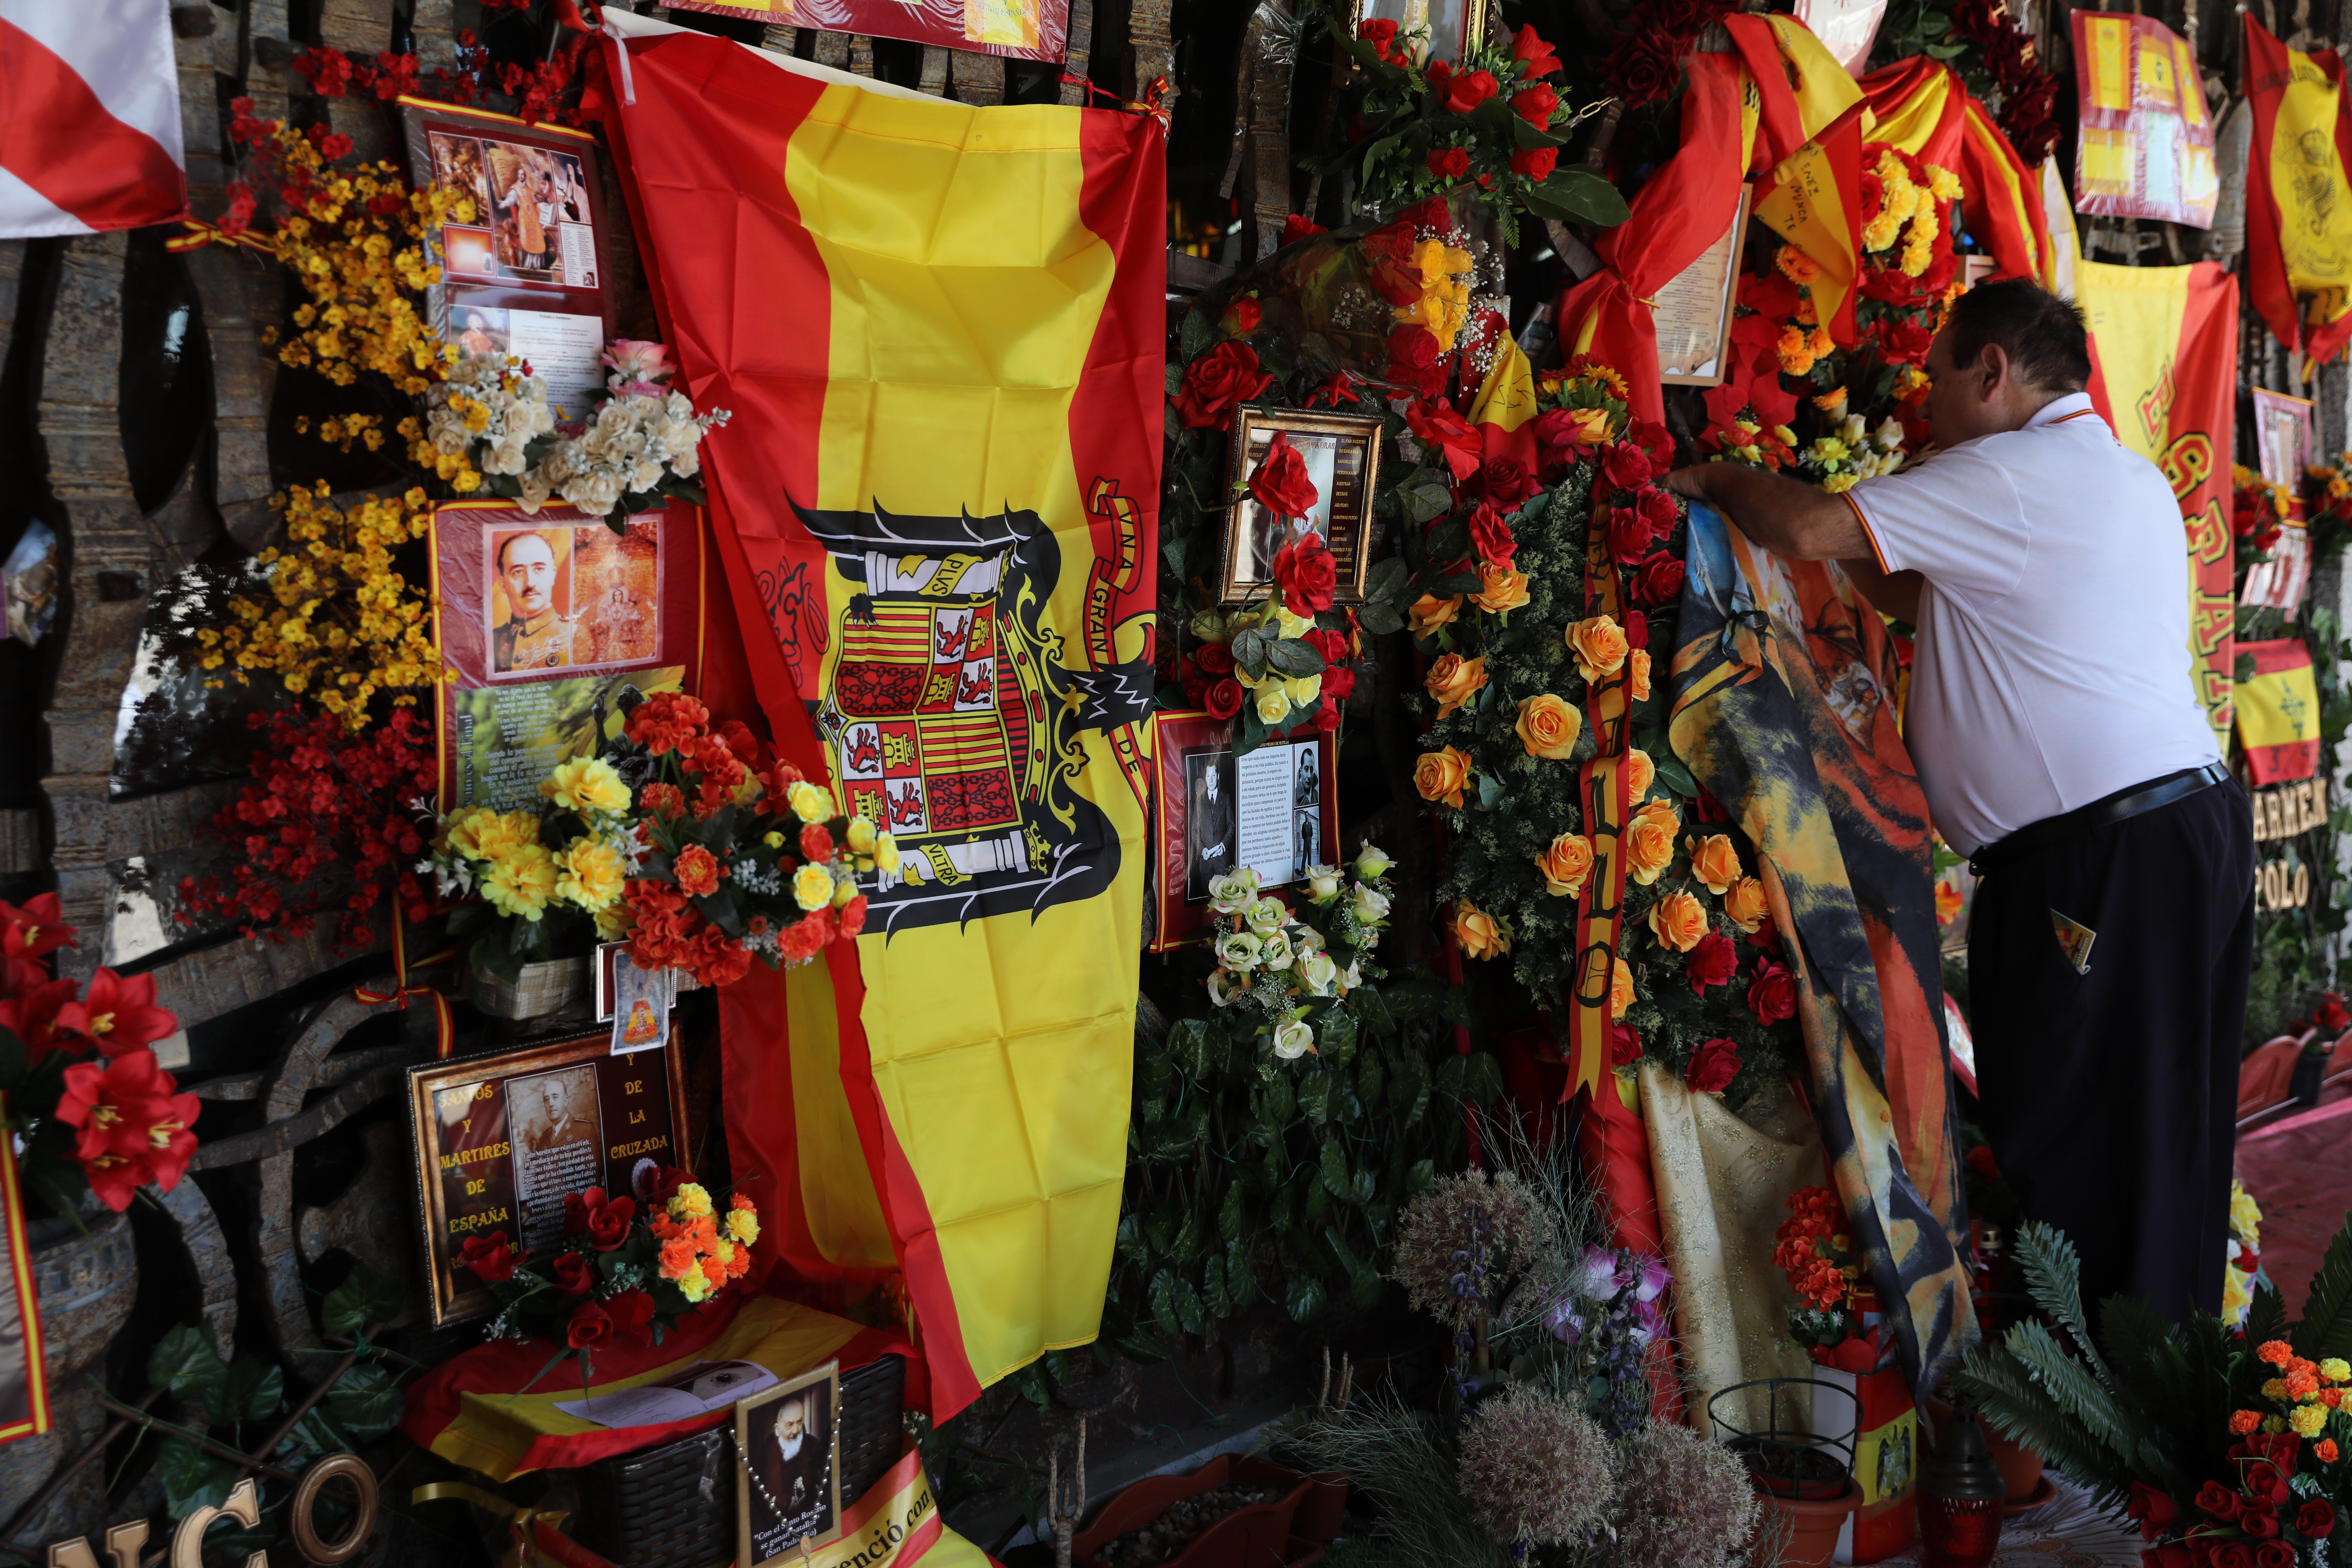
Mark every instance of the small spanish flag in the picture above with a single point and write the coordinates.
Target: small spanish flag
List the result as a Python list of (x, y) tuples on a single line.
[(2278, 711)]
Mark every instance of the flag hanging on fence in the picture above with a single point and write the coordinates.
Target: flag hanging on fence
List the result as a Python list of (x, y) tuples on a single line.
[(89, 117), (2299, 197), (938, 328)]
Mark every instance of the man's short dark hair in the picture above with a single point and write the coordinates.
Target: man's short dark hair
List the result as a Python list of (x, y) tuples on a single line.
[(2043, 335)]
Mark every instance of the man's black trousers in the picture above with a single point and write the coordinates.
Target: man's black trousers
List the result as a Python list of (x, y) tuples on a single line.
[(2110, 1097)]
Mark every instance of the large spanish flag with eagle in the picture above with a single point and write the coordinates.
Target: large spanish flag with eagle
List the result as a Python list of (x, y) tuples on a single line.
[(939, 328)]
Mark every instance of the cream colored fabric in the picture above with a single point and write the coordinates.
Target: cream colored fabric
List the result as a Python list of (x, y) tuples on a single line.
[(1723, 1186)]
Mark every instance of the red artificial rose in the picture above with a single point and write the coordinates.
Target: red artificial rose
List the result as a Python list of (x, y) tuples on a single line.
[(1534, 104), (852, 918), (1637, 629), (573, 1276), (698, 871), (1433, 423), (1536, 163), (1464, 93), (2173, 1554), (2234, 1555), (1660, 581), (1226, 375), (1308, 573), (1415, 361), (590, 1325), (1658, 507), (2316, 1520), (816, 842), (1624, 1044), (1329, 641), (2331, 1016), (1562, 428), (1448, 163), (805, 938), (489, 1256), (2268, 1479), (2274, 1555), (1773, 994), (1242, 317), (1625, 466), (1295, 228), (1339, 681), (1223, 699), (631, 1314), (1214, 659), (1327, 717), (1713, 1067), (1379, 33), (1629, 536), (1280, 482), (1712, 961), (1491, 532), (2249, 1506), (1644, 66), (603, 1221), (1507, 480), (2261, 1524), (1535, 56), (1979, 1160), (2218, 1500)]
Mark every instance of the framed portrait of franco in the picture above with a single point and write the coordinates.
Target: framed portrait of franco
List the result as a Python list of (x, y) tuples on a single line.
[(499, 1141)]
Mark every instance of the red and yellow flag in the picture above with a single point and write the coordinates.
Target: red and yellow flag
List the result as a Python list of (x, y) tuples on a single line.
[(2165, 342), (2278, 711), (1815, 204), (939, 329), (2298, 201)]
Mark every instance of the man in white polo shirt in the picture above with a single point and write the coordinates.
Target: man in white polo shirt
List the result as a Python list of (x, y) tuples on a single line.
[(2055, 724)]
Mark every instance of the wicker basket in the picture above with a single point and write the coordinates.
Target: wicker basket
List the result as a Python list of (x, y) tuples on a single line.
[(674, 1506)]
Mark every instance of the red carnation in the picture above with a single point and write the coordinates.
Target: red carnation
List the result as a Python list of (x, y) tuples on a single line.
[(698, 871), (489, 1256), (667, 721), (1222, 377), (1449, 162), (1713, 1067), (1308, 573), (573, 1276), (1773, 994), (1660, 581), (1712, 961), (1535, 162)]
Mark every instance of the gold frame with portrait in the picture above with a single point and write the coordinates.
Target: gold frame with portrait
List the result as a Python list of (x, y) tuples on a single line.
[(828, 1376), (1411, 14), (1357, 440), (486, 1075)]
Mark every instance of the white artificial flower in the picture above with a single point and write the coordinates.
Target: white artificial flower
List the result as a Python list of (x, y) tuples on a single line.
[(1305, 938), (1316, 973), (1226, 988), (1350, 978), (1322, 884), (1265, 915), (1293, 1040), (1239, 950), (1854, 429), (1371, 905), (1372, 862), (1889, 433), (1232, 892), (1275, 951), (535, 493), (505, 455)]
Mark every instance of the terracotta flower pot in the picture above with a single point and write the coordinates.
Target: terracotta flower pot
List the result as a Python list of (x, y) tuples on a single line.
[(1291, 1531), (1808, 1526), (2020, 1467)]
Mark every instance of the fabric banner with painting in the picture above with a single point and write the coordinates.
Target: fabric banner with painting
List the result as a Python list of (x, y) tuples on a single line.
[(939, 329), (1015, 30), (547, 621)]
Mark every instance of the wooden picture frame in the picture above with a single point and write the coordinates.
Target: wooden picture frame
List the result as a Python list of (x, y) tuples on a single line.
[(1694, 312), (1193, 752), (1455, 26), (771, 1525), (1343, 456), (500, 1139)]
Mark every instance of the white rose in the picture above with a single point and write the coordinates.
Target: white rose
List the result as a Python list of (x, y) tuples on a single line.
[(1322, 884), (505, 455), (1232, 892), (1348, 978), (1889, 433), (1226, 988), (1275, 951), (1372, 862), (1265, 915), (647, 477), (1307, 938), (1853, 430), (1239, 950), (535, 493), (1371, 906), (1293, 1040), (1316, 972)]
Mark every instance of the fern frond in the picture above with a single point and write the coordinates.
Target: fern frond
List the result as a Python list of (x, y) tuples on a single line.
[(2053, 1271), (2266, 1318), (2004, 1392), (2326, 1326), (2074, 1386)]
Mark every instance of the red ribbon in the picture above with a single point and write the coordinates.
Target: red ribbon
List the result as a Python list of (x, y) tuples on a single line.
[(445, 1037)]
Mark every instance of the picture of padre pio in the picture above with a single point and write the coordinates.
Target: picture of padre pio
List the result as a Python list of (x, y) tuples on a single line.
[(790, 1442)]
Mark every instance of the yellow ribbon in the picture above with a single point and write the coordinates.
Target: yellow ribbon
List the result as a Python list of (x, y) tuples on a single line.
[(444, 1029), (201, 232), (539, 1538)]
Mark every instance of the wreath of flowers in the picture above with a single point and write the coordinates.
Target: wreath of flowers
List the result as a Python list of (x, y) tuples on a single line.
[(1293, 965)]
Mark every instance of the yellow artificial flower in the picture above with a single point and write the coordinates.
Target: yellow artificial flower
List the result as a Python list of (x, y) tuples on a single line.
[(2308, 1420), (460, 830), (593, 875), (691, 1201), (812, 887), (809, 803), (586, 784), (885, 853), (861, 836), (1272, 702), (743, 1226), (521, 882)]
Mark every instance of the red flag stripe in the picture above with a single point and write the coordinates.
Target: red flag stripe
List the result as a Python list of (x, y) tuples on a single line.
[(57, 136)]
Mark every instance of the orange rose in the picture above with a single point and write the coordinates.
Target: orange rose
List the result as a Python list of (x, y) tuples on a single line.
[(1743, 904), (1480, 933), (1714, 862), (1948, 904), (1599, 646), (1678, 921), (1440, 775), (1565, 864), (1548, 727), (1650, 841), (1429, 612), (1637, 666), (1621, 989), (1640, 775), (1453, 681), (1501, 590)]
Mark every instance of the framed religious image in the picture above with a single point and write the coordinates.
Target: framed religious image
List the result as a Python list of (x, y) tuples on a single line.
[(1454, 26), (1343, 453), (500, 1141), (1693, 312), (2281, 435), (1275, 811), (788, 1467)]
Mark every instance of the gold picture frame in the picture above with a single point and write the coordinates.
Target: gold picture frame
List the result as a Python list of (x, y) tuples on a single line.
[(1693, 313), (772, 1508), (500, 1139), (1343, 456), (1455, 26)]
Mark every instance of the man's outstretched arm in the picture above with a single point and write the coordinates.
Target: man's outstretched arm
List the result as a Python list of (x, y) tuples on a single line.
[(1785, 516)]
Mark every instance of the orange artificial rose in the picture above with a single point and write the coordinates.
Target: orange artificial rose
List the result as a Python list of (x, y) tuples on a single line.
[(1637, 674), (1480, 933), (1678, 921), (1599, 646), (1453, 681), (1501, 590), (1548, 727), (1440, 775), (1743, 904), (1429, 612), (1565, 864), (1650, 841), (1640, 775), (1714, 862), (1621, 989)]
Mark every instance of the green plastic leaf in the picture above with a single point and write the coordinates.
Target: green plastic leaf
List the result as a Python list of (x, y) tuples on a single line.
[(1333, 1166), (1132, 1244), (1381, 617), (1387, 582), (1240, 1276), (1232, 1218), (1213, 1288), (363, 1297), (1292, 658), (1315, 1099), (1162, 1295), (1579, 195), (1304, 1301), (253, 1390), (1335, 1038), (1249, 650), (1194, 336), (1674, 775), (366, 1403), (1188, 1046), (191, 1477), (183, 1364), (1424, 502)]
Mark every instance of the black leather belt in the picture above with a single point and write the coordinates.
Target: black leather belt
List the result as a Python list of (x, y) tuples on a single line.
[(2117, 807)]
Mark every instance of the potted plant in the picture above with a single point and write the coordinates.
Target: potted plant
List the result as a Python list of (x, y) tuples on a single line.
[(1802, 1471)]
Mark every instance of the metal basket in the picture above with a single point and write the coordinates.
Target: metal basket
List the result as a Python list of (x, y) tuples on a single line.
[(1791, 1443), (674, 1506)]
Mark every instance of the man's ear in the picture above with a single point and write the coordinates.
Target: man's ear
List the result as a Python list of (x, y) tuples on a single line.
[(1992, 361)]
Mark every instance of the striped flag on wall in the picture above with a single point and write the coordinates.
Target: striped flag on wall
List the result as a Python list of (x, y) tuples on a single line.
[(89, 117)]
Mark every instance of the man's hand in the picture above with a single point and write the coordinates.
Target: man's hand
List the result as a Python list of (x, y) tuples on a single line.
[(1785, 516)]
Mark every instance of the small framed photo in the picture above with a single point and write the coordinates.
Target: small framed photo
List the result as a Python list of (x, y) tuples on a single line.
[(1276, 810), (788, 1467), (1343, 453), (1693, 312), (500, 1141), (1454, 26)]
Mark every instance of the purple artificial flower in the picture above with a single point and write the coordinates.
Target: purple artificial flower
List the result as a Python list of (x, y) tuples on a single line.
[(1649, 1323), (1598, 1277), (1651, 1278), (1566, 1324)]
